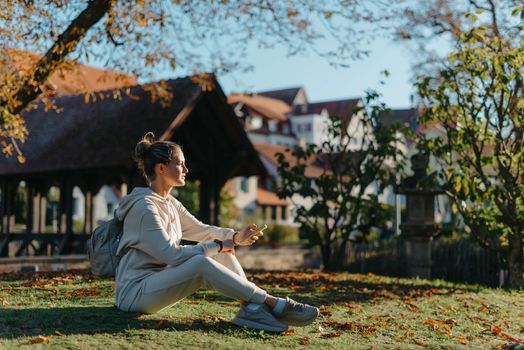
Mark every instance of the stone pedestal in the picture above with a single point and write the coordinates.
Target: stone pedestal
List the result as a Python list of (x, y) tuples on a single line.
[(420, 226), (417, 251)]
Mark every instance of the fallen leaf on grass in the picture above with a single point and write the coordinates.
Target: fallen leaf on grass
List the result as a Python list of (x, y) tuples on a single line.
[(60, 334), (449, 321), (420, 343), (289, 332), (461, 340), (332, 335), (360, 327), (294, 287), (304, 340), (411, 307), (512, 338), (496, 330), (483, 308), (40, 339)]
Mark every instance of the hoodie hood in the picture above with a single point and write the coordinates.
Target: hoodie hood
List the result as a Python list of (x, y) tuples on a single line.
[(132, 198)]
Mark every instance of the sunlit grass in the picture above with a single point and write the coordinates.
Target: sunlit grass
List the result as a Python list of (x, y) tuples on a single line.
[(75, 311)]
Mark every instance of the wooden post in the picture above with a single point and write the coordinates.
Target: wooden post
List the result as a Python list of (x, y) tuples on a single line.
[(216, 201), (32, 224), (88, 216), (205, 191), (8, 192)]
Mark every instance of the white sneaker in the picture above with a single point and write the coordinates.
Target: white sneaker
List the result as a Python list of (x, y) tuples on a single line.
[(258, 316), (298, 314)]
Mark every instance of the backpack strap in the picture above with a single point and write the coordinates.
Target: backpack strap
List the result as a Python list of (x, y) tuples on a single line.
[(126, 250)]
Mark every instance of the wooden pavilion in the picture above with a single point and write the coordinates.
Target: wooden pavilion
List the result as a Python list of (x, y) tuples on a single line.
[(91, 145)]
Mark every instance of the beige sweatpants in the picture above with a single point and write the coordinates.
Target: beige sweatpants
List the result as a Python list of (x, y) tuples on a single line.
[(221, 273)]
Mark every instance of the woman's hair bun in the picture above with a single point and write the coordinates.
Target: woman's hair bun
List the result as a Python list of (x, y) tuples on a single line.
[(144, 145)]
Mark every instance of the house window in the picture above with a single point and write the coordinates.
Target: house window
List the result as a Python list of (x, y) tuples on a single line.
[(272, 125), (307, 127), (263, 212), (299, 127), (109, 208), (274, 212), (244, 186), (284, 213)]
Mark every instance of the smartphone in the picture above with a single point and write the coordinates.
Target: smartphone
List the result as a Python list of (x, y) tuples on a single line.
[(257, 230)]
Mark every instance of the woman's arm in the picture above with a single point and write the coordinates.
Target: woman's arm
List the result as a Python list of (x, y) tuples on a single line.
[(195, 230), (155, 241)]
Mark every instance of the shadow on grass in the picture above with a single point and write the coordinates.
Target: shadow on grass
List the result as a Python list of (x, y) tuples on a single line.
[(322, 289), (16, 323)]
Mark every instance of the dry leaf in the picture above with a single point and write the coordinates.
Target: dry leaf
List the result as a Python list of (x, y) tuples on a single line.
[(40, 339), (304, 340), (289, 332), (482, 309), (60, 334), (496, 330), (512, 338), (462, 340), (332, 335), (420, 343)]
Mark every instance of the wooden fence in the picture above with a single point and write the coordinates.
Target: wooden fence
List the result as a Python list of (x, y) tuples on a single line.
[(453, 260)]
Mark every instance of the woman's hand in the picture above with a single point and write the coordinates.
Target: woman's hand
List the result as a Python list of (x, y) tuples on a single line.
[(240, 236)]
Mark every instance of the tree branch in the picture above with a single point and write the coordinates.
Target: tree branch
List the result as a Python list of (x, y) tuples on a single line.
[(64, 45)]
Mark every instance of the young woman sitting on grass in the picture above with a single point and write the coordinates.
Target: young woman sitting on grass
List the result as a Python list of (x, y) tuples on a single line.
[(157, 272)]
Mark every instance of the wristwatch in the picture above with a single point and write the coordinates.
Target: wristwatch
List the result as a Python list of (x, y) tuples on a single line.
[(219, 242)]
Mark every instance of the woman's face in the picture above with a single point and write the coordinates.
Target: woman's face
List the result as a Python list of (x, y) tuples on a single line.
[(175, 172)]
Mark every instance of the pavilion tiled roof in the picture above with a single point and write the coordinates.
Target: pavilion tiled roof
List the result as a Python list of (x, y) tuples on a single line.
[(337, 108), (94, 135), (103, 134)]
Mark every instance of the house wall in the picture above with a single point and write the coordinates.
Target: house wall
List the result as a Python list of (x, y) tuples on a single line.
[(245, 194), (273, 139)]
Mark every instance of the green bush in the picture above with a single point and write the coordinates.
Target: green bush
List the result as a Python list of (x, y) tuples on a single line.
[(280, 234)]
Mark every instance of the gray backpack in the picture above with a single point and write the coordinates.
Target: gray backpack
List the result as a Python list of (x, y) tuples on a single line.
[(102, 247)]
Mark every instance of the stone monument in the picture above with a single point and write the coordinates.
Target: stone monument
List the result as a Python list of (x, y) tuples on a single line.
[(419, 227)]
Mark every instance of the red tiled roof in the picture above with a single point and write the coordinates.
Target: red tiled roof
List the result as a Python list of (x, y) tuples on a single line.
[(265, 106), (265, 197), (338, 108), (74, 80), (407, 117), (286, 95), (269, 152)]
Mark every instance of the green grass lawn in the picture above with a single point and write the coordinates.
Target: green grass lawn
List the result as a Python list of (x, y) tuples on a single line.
[(75, 311)]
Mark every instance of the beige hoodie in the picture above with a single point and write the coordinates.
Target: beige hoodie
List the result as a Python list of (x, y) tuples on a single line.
[(153, 228)]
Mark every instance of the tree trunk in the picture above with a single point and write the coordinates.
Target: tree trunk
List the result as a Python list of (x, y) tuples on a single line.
[(333, 255), (327, 257), (64, 45), (516, 259)]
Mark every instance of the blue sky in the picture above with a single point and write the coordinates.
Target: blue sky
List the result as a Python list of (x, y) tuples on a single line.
[(273, 70)]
